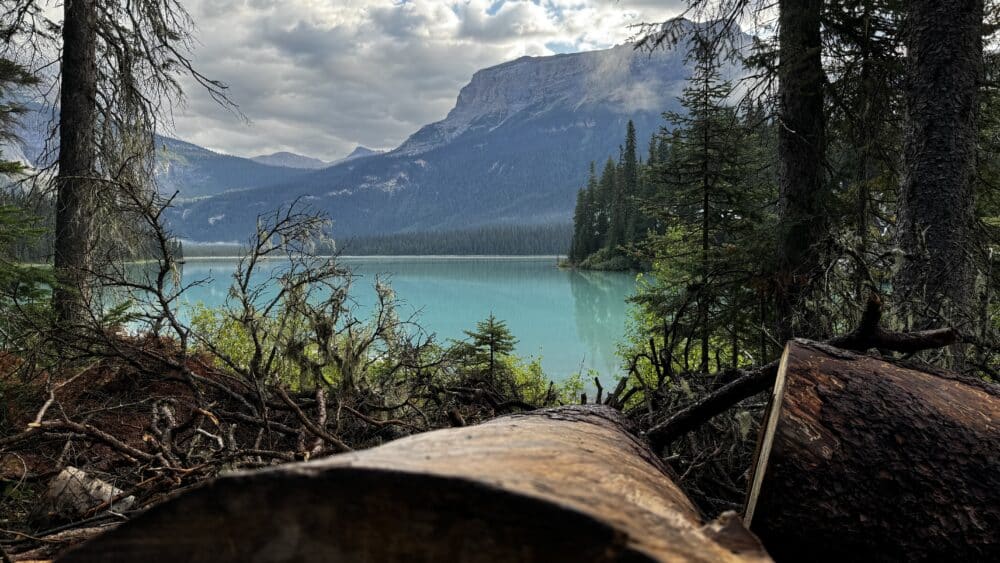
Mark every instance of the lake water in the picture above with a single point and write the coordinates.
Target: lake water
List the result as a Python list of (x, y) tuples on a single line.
[(571, 320)]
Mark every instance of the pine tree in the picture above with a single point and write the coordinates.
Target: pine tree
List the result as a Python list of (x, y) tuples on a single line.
[(937, 209), (491, 342), (585, 217), (646, 192), (804, 192)]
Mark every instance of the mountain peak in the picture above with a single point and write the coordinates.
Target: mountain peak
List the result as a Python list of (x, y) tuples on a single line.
[(358, 152), (290, 160), (620, 79), (362, 151)]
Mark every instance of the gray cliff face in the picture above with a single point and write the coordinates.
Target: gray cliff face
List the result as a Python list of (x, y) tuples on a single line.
[(621, 79)]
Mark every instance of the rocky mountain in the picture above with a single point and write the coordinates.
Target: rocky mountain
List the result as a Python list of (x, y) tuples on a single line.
[(12, 151), (290, 160), (514, 150)]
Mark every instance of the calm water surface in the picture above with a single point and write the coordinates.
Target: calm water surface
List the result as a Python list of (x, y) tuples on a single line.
[(569, 319)]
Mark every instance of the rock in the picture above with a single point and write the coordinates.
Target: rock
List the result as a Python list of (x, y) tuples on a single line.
[(73, 492)]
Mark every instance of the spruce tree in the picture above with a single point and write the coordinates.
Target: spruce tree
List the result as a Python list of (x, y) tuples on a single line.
[(586, 231), (577, 251), (704, 204), (491, 342), (606, 202), (629, 188), (937, 277), (804, 191)]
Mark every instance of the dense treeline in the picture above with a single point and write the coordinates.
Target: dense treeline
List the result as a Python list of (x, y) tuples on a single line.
[(503, 240), (607, 217), (498, 240), (36, 214)]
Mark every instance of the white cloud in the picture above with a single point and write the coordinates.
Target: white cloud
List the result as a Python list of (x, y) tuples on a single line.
[(320, 76)]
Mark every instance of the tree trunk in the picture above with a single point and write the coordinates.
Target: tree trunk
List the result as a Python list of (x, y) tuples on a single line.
[(77, 160), (566, 484), (705, 202), (801, 151), (936, 212), (861, 457)]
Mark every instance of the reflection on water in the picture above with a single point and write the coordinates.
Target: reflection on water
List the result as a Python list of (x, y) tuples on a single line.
[(570, 319)]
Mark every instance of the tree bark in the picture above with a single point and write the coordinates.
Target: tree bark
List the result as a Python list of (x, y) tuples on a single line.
[(77, 160), (936, 212), (566, 484), (803, 192), (862, 457)]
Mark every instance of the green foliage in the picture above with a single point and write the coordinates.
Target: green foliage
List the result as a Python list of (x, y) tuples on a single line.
[(606, 259), (24, 288), (491, 338), (707, 258), (487, 358), (222, 335), (486, 355)]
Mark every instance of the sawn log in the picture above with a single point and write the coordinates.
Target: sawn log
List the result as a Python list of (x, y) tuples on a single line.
[(565, 484), (862, 459)]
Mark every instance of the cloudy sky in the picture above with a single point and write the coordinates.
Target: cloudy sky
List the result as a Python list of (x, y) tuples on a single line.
[(318, 77)]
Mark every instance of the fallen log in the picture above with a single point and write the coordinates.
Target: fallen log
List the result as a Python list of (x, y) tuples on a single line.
[(869, 334), (863, 458), (565, 484)]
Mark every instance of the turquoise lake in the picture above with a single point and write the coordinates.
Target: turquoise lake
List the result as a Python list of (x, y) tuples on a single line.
[(571, 320)]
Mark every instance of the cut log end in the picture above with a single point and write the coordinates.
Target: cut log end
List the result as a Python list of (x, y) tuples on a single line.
[(860, 455)]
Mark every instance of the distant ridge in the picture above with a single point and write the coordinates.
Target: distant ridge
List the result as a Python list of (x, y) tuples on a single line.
[(359, 152), (290, 160), (181, 167)]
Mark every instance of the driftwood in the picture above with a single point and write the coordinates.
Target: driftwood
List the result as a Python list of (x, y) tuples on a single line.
[(860, 457), (565, 484)]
